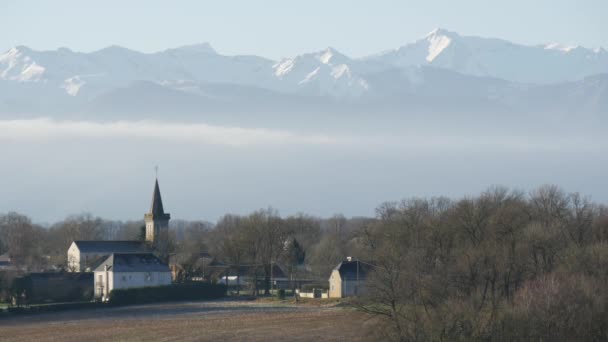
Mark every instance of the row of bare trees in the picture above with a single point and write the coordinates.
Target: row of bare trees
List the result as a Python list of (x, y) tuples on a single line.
[(503, 265), (33, 247)]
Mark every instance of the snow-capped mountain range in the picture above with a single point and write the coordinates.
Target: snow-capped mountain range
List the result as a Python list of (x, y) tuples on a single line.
[(440, 63)]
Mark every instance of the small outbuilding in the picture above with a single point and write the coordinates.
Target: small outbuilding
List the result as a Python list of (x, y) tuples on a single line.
[(123, 271), (348, 278)]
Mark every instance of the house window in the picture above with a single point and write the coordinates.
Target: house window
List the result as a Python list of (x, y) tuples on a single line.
[(124, 278)]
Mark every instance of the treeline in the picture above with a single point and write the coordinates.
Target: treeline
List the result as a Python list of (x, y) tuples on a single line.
[(305, 246), (501, 266)]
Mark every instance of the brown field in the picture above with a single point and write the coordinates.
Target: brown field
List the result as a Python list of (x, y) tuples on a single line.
[(196, 321)]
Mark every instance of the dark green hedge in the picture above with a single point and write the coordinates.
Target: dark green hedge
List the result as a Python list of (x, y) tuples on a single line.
[(175, 292)]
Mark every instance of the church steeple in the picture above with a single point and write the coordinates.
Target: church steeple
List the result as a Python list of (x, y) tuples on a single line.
[(157, 202), (157, 221)]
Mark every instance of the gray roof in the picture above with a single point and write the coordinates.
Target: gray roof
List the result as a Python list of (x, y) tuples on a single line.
[(352, 269), (142, 262), (108, 247)]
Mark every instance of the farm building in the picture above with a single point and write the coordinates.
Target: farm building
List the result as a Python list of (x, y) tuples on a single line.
[(348, 278)]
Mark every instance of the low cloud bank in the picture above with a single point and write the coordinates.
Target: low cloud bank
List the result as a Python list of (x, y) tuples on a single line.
[(48, 130)]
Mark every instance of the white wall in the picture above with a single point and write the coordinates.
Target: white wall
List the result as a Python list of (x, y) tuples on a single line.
[(73, 258), (340, 288), (79, 262), (104, 278), (123, 280), (335, 285)]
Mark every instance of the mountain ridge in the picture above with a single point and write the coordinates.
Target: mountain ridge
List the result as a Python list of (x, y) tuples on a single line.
[(440, 66)]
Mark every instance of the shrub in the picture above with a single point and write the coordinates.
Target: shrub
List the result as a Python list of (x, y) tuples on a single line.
[(175, 292), (559, 307), (281, 294)]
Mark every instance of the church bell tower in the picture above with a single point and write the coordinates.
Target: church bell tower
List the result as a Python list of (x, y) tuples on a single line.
[(157, 221)]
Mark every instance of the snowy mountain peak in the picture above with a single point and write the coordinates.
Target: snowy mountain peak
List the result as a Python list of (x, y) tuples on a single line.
[(561, 47), (17, 65), (331, 56), (14, 52), (497, 58), (438, 42), (441, 32), (326, 55), (324, 72)]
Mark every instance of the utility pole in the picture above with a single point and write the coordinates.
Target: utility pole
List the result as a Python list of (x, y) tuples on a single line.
[(271, 278), (357, 284)]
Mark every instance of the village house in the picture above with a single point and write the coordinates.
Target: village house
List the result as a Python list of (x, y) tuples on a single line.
[(5, 262), (85, 256), (123, 271), (348, 278), (245, 276)]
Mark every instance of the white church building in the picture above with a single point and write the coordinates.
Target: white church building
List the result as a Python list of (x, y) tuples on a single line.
[(126, 264), (85, 256)]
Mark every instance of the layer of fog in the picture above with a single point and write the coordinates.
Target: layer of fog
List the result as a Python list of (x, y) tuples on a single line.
[(51, 169)]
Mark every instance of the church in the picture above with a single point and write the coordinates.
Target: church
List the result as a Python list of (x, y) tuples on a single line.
[(86, 256)]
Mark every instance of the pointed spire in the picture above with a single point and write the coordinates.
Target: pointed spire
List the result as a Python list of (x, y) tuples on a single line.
[(157, 202)]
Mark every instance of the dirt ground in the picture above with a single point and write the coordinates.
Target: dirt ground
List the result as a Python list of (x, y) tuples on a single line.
[(196, 321)]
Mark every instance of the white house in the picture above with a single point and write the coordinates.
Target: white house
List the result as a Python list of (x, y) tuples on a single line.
[(85, 256), (122, 271), (348, 278)]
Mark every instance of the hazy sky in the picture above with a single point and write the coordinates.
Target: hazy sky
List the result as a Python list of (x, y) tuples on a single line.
[(275, 29)]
